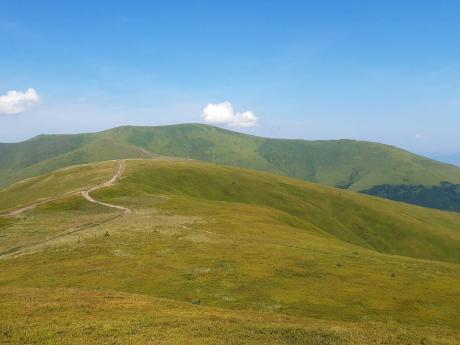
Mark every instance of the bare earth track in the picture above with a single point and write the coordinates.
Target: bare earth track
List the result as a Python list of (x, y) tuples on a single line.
[(113, 180), (18, 211), (86, 194)]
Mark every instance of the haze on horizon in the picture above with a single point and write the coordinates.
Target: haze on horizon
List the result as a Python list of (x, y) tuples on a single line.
[(385, 72)]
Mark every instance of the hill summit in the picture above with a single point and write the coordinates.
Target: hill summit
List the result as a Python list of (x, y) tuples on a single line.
[(347, 164)]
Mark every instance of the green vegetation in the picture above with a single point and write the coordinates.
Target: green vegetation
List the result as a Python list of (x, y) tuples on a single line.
[(51, 219), (354, 218), (347, 164), (446, 196), (101, 317), (219, 255), (46, 153), (54, 184)]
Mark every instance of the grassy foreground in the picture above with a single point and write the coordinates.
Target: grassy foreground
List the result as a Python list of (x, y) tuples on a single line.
[(75, 316), (218, 255)]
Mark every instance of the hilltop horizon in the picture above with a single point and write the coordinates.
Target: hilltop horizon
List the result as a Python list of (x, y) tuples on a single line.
[(453, 159), (314, 72), (229, 129), (363, 166)]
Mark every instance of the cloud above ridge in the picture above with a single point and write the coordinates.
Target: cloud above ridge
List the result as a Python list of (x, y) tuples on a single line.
[(223, 113), (15, 102)]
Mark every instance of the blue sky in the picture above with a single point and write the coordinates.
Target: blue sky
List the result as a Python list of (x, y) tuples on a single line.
[(386, 71)]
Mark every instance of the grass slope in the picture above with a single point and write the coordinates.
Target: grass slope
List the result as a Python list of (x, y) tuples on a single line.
[(366, 221), (220, 255), (348, 164), (54, 184), (76, 316)]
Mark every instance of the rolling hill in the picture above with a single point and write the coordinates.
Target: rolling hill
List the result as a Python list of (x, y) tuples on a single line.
[(346, 164), (217, 254)]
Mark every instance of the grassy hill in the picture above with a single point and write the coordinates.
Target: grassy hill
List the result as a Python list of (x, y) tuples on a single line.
[(53, 184), (221, 255), (348, 164)]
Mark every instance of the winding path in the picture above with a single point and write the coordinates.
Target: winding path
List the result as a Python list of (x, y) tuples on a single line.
[(112, 181), (86, 194)]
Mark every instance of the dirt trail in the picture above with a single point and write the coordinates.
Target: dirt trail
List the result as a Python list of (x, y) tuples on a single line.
[(113, 180), (35, 204), (87, 196)]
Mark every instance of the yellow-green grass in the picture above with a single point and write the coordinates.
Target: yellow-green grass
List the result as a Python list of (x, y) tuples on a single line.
[(76, 316), (55, 183), (50, 219), (370, 222), (241, 257)]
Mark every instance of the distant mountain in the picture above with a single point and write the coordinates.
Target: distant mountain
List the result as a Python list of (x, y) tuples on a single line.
[(347, 164)]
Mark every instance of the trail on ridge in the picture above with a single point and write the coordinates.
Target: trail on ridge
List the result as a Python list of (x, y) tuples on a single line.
[(86, 194), (112, 181)]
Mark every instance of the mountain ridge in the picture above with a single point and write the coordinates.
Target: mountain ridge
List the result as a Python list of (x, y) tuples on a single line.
[(343, 163)]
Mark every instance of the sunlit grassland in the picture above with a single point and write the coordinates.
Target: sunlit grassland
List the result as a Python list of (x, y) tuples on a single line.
[(55, 184), (220, 255), (76, 316), (370, 222), (50, 219)]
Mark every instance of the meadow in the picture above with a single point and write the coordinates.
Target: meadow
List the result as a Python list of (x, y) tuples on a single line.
[(220, 255)]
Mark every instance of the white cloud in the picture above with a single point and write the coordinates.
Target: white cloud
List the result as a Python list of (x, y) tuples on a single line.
[(223, 113), (419, 136), (15, 102)]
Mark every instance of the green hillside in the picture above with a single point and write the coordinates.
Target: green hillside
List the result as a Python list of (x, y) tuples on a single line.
[(347, 164), (54, 184), (221, 255)]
